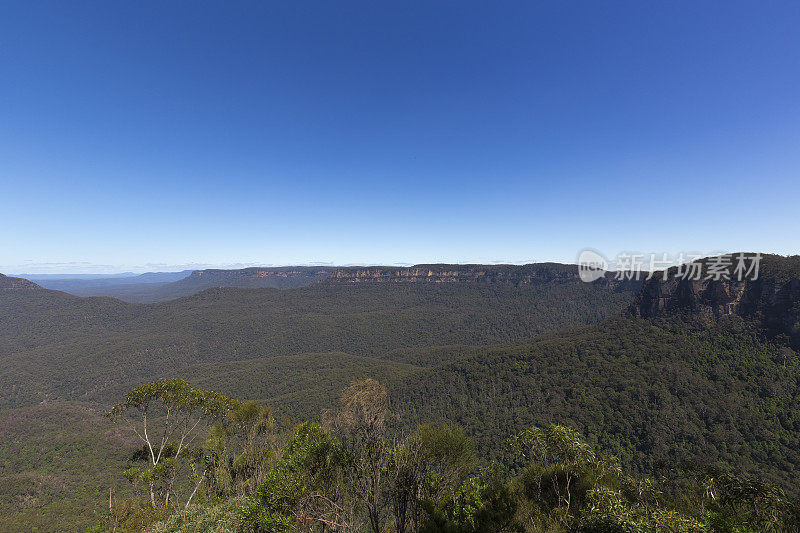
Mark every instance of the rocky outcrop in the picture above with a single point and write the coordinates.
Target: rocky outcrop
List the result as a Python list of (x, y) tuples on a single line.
[(772, 298), (531, 274), (525, 274)]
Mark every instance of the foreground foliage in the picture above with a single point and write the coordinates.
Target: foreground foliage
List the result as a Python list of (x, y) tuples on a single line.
[(354, 472)]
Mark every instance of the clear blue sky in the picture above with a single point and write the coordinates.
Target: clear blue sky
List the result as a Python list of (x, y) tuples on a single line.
[(153, 135)]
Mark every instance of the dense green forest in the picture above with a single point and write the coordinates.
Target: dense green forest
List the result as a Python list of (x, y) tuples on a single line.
[(66, 359), (652, 392), (57, 347), (355, 472), (678, 400)]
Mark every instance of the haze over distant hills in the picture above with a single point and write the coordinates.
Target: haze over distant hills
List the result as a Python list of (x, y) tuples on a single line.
[(162, 286), (79, 283)]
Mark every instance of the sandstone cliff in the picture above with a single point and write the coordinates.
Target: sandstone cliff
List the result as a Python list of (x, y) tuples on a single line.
[(772, 299), (531, 274)]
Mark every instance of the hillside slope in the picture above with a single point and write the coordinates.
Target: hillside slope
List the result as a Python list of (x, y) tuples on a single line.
[(709, 375), (651, 392), (58, 346)]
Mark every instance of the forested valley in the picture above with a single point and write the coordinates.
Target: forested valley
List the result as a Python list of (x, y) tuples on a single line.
[(522, 401)]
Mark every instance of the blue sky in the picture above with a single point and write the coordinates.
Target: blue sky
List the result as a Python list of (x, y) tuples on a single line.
[(166, 135)]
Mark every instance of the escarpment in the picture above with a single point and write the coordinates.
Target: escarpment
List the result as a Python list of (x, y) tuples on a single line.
[(771, 296), (519, 275)]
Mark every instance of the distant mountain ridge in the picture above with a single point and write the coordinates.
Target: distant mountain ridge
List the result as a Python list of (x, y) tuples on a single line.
[(453, 273), (776, 293), (162, 286), (85, 286), (10, 283), (517, 275), (145, 288), (288, 277)]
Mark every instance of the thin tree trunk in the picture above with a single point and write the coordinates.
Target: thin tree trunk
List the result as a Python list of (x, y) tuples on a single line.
[(202, 476), (373, 518)]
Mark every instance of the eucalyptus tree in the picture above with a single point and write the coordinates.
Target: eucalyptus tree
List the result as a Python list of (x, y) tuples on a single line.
[(167, 416)]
